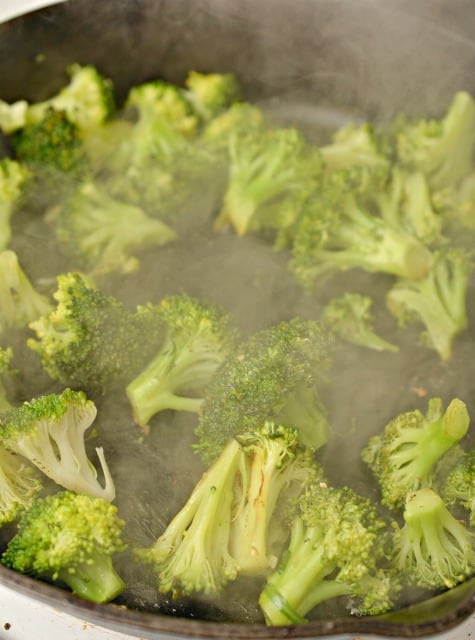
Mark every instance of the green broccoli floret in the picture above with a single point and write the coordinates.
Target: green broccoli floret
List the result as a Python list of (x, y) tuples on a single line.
[(334, 551), (403, 456), (197, 337), (433, 549), (49, 431), (192, 554), (90, 340), (70, 538), (13, 176), (459, 485), (273, 375), (442, 149), (355, 145), (349, 316), (211, 93), (265, 165), (343, 227), (241, 118), (438, 301), (20, 302), (6, 356), (20, 484), (103, 233)]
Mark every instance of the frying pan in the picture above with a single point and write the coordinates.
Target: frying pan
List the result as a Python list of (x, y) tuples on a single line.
[(314, 63)]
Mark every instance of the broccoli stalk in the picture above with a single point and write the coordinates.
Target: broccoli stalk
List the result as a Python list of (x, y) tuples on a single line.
[(433, 549), (333, 551), (459, 485), (192, 554), (19, 485), (70, 538), (403, 457), (197, 337), (20, 302), (438, 301), (13, 176), (273, 367), (49, 432)]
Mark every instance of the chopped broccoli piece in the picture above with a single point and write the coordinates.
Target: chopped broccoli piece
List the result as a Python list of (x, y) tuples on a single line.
[(403, 456), (49, 432), (271, 376), (70, 538), (350, 317), (90, 340), (211, 93), (13, 176), (197, 337), (459, 485), (442, 149), (20, 484), (438, 301), (343, 227), (433, 549), (102, 233), (355, 145), (20, 302), (334, 551), (12, 116)]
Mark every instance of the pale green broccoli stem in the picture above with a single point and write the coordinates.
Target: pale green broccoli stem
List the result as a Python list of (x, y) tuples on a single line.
[(304, 411), (19, 485), (434, 546), (94, 579)]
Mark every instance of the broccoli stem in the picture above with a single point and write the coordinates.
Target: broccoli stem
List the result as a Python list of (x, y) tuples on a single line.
[(95, 580)]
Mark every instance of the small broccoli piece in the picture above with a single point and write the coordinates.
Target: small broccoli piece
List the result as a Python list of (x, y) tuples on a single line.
[(192, 554), (12, 116), (273, 375), (438, 301), (433, 549), (102, 233), (343, 227), (350, 317), (20, 302), (403, 456), (13, 176), (459, 485), (355, 145), (197, 337), (442, 149), (211, 93), (70, 538), (90, 340), (334, 551), (241, 118), (274, 460), (19, 485), (49, 432), (6, 356), (265, 166)]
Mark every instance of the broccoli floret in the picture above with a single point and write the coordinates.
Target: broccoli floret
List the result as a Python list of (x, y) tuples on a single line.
[(343, 227), (20, 302), (355, 145), (459, 485), (438, 301), (70, 538), (403, 456), (433, 549), (13, 177), (20, 484), (211, 93), (442, 149), (90, 340), (197, 337), (273, 375), (192, 554), (12, 116), (349, 316), (334, 550), (241, 118), (265, 166), (49, 431), (103, 233)]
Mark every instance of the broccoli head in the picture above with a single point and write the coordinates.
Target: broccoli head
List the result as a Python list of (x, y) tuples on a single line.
[(71, 539), (403, 456), (433, 549), (49, 431), (211, 93), (459, 485)]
